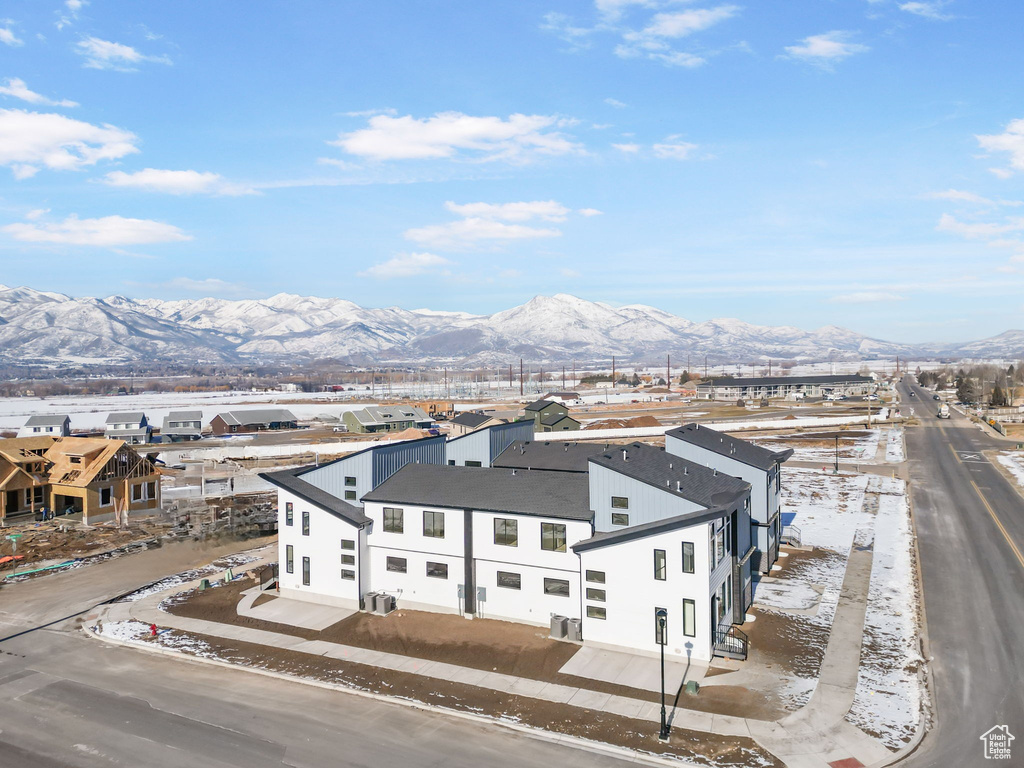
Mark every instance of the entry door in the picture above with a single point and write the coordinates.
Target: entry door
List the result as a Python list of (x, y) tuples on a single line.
[(12, 502)]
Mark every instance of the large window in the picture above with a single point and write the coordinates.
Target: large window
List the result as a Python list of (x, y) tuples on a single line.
[(660, 565), (552, 537), (689, 618), (510, 580), (597, 612), (620, 502), (289, 513), (506, 532), (437, 570), (397, 564), (556, 587), (595, 594), (289, 558), (620, 518), (305, 523), (394, 520), (660, 632), (433, 524), (595, 577), (305, 571), (687, 557)]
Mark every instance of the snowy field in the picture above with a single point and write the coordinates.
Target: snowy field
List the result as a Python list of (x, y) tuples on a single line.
[(860, 449), (894, 447), (1014, 461), (888, 699)]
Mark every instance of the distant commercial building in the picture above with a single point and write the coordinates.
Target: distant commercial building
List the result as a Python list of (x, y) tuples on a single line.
[(387, 418), (132, 427), (785, 386), (182, 426), (254, 420), (45, 425)]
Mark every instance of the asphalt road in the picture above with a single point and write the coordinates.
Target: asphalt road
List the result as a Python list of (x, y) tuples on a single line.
[(970, 526), (67, 700)]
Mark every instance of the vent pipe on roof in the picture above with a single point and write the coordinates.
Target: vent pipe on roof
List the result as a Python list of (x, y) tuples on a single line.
[(513, 473), (714, 473), (679, 486), (624, 456), (686, 470)]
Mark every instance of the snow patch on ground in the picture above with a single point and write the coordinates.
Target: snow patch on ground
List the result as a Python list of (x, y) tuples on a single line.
[(828, 509), (232, 561), (861, 449), (888, 699), (894, 447), (125, 631), (1014, 461), (787, 596)]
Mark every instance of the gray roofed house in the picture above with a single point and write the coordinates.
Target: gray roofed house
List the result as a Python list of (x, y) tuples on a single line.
[(549, 455), (131, 426), (558, 422), (46, 425), (542, 494), (785, 386), (607, 538), (471, 421), (182, 425), (720, 443), (288, 480), (386, 418), (540, 405), (672, 474), (253, 420)]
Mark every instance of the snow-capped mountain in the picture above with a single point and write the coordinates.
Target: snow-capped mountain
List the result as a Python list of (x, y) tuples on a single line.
[(45, 327)]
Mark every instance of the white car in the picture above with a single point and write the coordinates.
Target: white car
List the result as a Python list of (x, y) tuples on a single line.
[(871, 397)]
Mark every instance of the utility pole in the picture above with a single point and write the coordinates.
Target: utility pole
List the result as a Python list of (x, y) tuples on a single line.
[(520, 377), (447, 391), (668, 372), (769, 366), (613, 371), (705, 366), (510, 384), (563, 378)]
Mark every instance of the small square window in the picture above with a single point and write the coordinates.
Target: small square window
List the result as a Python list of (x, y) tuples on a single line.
[(348, 559), (595, 594), (437, 570), (348, 575), (595, 577), (348, 544), (506, 532), (552, 537), (433, 524), (350, 496), (620, 518), (350, 482), (620, 502), (397, 564), (596, 612)]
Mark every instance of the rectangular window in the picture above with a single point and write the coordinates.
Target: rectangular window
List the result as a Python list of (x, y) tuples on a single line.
[(394, 520), (596, 612), (437, 570), (595, 577), (620, 502), (660, 632), (552, 537), (433, 524), (150, 490), (350, 482), (687, 557), (689, 618), (451, 462), (620, 518), (350, 496), (348, 559), (595, 594), (556, 587), (305, 523), (506, 532), (510, 580), (289, 559), (348, 575), (398, 564), (106, 496), (289, 513), (660, 565), (348, 544), (473, 464), (137, 493), (305, 571)]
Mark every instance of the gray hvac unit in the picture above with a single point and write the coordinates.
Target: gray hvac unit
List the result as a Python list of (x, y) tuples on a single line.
[(558, 626), (574, 630), (370, 601), (385, 603)]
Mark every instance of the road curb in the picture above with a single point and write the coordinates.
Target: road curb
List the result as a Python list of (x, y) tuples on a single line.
[(574, 742)]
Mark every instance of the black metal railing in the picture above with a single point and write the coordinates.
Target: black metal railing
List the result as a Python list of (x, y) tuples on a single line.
[(731, 642), (791, 535)]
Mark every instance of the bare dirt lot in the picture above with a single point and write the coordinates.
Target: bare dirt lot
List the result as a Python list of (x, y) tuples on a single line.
[(499, 646)]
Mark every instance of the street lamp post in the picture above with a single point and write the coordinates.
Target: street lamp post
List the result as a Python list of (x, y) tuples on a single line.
[(13, 538), (662, 617)]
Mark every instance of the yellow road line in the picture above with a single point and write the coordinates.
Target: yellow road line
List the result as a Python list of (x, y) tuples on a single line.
[(998, 522)]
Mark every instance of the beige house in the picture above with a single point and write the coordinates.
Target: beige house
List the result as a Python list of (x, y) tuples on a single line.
[(471, 421)]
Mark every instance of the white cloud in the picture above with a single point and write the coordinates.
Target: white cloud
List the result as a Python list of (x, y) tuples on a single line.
[(7, 35), (30, 140), (71, 15), (948, 223), (612, 10), (1001, 173), (107, 231), (930, 10), (371, 112), (405, 265), (561, 26), (177, 182), (676, 151), (656, 50), (684, 23), (588, 212), (631, 149), (16, 88), (548, 210), (104, 54), (207, 286), (962, 196), (826, 48), (452, 134), (566, 272), (866, 297), (36, 213), (1010, 141), (615, 103), (475, 232)]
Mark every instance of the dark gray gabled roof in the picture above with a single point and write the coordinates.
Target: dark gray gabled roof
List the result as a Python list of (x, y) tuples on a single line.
[(540, 405), (131, 417), (287, 480), (553, 418), (46, 420), (772, 381), (731, 447), (634, 532), (551, 455), (257, 416), (541, 494), (471, 419), (679, 477)]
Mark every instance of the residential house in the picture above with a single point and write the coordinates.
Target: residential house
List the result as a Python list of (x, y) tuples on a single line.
[(559, 422), (23, 476), (46, 425), (182, 426), (252, 420), (565, 398), (758, 466), (549, 455), (133, 428), (387, 418), (469, 421), (541, 409)]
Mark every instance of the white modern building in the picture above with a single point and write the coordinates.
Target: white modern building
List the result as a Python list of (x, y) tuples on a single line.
[(642, 530), (182, 426), (46, 425), (133, 428), (756, 388)]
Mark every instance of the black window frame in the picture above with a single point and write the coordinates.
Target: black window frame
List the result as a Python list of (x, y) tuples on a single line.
[(442, 569), (597, 612), (660, 570), (473, 463), (350, 482), (693, 614), (348, 559), (620, 516), (514, 583), (289, 513), (396, 564), (597, 595), (553, 591), (595, 577), (289, 558), (506, 524), (306, 572), (549, 534), (305, 522), (349, 544), (393, 520), (433, 516), (351, 495), (689, 557), (347, 574), (620, 502)]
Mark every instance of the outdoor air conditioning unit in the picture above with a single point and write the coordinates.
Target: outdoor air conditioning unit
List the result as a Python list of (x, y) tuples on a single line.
[(574, 630), (370, 601), (558, 626), (385, 603)]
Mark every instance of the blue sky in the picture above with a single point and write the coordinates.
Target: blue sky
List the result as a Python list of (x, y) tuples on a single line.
[(848, 162)]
